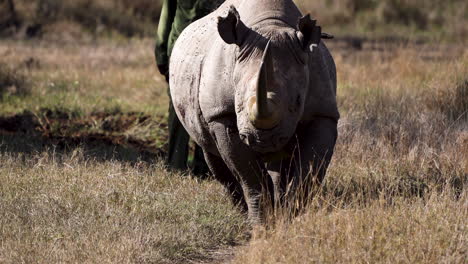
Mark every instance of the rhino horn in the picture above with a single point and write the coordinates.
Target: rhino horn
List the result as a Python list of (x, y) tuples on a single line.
[(263, 114)]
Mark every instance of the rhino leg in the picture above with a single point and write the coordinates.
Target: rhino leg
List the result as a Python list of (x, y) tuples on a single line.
[(279, 172), (310, 151), (222, 173), (246, 166), (316, 144)]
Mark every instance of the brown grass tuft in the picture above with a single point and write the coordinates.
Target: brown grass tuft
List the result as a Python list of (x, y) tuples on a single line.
[(452, 101)]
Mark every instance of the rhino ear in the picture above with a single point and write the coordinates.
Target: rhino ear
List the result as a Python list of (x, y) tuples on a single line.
[(311, 32), (231, 28)]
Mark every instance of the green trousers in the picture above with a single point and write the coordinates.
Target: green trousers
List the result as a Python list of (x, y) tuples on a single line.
[(178, 151), (176, 15)]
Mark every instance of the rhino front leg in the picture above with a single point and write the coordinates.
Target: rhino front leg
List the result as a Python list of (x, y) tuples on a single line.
[(317, 142), (222, 173), (246, 165)]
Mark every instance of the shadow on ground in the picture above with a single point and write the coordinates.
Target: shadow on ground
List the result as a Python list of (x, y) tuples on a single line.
[(103, 136)]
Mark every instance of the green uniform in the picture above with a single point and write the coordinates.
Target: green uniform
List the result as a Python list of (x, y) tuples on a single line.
[(175, 16)]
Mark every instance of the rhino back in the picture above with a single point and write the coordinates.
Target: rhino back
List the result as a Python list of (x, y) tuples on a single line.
[(254, 11)]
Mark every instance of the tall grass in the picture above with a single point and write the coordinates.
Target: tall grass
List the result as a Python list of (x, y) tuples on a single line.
[(72, 208), (396, 189)]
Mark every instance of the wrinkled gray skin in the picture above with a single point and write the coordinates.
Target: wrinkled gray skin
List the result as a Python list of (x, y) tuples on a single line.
[(215, 73)]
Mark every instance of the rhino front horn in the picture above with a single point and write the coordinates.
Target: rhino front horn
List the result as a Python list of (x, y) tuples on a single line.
[(264, 112)]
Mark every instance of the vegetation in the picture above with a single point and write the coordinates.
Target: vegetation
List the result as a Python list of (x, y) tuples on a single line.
[(12, 82), (57, 207), (81, 162), (83, 134), (57, 19), (406, 19), (396, 190)]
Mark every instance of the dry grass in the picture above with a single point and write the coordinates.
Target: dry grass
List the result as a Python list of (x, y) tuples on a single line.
[(95, 202), (92, 76), (408, 231), (70, 208), (396, 190)]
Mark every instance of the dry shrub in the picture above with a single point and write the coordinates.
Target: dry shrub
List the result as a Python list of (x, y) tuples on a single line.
[(8, 17), (12, 82), (144, 9), (400, 16), (129, 18), (403, 12), (92, 15)]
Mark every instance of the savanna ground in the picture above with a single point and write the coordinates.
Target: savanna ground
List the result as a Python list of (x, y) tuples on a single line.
[(83, 134)]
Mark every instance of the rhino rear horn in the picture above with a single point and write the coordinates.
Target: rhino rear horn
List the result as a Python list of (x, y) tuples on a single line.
[(231, 28)]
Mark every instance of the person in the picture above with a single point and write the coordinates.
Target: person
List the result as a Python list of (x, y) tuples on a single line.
[(176, 15)]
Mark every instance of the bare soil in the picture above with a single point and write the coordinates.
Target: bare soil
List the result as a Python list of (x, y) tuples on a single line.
[(63, 128)]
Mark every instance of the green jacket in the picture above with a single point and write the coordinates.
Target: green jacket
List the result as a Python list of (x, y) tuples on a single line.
[(175, 16)]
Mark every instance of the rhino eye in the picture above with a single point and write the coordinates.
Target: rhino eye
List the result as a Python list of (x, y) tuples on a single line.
[(298, 101)]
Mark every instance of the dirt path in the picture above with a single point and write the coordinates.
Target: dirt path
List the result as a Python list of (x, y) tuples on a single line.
[(221, 256)]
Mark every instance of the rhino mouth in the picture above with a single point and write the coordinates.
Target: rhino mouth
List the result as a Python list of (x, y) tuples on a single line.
[(263, 144)]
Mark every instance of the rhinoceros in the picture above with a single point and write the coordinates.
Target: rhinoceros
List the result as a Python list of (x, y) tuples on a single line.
[(255, 87)]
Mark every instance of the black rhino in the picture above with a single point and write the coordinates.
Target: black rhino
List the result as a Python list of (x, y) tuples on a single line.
[(256, 88)]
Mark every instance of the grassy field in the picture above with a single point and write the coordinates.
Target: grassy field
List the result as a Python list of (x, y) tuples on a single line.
[(83, 133), (396, 189)]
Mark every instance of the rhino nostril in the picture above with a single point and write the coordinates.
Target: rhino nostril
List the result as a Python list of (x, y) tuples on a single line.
[(243, 137)]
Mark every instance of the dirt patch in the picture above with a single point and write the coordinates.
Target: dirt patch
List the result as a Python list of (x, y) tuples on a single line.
[(137, 131), (221, 255)]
